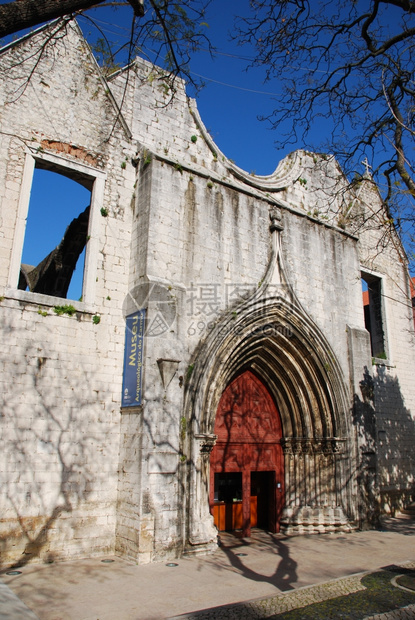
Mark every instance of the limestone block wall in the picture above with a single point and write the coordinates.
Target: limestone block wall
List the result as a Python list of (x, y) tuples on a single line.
[(393, 394), (61, 374), (210, 220), (204, 236), (385, 423), (214, 243), (323, 266)]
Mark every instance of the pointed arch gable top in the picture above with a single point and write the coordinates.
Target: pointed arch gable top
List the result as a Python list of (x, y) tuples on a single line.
[(247, 412), (296, 364)]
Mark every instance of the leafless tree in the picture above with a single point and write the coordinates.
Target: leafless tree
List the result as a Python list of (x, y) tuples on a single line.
[(349, 66)]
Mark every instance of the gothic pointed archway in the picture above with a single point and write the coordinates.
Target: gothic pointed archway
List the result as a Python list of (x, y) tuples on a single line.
[(247, 463), (286, 352)]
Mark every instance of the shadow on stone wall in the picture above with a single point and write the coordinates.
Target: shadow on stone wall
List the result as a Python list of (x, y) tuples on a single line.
[(386, 436), (51, 451)]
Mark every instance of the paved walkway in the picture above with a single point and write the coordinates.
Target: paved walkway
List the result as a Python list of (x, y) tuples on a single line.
[(349, 576), (359, 597)]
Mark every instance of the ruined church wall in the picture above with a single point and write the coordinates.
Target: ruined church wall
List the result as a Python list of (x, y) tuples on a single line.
[(202, 232), (214, 242), (393, 378), (385, 424), (61, 375), (208, 245), (79, 476)]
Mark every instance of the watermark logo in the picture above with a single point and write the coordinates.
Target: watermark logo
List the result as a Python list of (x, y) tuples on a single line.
[(160, 304), (204, 306)]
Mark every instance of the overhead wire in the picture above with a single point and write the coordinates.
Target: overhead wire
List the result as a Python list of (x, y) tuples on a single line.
[(249, 90), (204, 49)]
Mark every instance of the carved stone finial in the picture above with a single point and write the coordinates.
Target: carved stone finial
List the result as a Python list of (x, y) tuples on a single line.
[(207, 443), (276, 220)]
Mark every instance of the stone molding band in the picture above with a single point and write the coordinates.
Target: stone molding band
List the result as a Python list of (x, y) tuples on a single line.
[(300, 445), (292, 446)]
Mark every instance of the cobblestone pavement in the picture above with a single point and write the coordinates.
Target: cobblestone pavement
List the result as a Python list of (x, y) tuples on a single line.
[(368, 596), (405, 613)]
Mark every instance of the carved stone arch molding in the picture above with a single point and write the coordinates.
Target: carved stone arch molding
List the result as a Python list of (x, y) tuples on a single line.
[(273, 337)]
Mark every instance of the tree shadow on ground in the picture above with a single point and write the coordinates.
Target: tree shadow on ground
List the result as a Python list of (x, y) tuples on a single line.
[(285, 573)]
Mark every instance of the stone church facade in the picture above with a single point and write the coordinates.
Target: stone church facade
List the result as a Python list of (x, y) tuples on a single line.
[(218, 371)]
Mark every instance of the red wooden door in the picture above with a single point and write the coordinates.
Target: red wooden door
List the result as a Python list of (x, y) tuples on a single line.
[(248, 427)]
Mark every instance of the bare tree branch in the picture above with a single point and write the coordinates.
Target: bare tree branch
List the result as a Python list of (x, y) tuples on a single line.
[(353, 63)]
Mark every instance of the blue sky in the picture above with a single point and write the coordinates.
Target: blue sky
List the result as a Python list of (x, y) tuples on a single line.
[(232, 98), (50, 212)]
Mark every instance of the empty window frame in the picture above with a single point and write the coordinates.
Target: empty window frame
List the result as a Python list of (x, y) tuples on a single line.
[(374, 314), (55, 248)]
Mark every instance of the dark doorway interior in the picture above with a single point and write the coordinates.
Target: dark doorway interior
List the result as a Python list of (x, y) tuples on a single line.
[(228, 501), (228, 487), (263, 499)]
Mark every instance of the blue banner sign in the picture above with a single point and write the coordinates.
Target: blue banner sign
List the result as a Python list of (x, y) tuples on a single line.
[(133, 359)]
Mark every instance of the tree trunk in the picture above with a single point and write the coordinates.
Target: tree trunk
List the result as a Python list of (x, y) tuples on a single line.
[(20, 14)]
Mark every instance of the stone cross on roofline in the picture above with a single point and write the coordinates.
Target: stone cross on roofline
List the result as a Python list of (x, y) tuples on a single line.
[(368, 167)]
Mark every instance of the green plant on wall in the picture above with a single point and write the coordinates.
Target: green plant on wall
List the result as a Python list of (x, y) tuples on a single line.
[(103, 53), (59, 310), (183, 428), (189, 371), (146, 158)]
